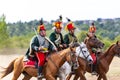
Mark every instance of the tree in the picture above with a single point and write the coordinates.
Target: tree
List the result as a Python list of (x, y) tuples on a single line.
[(81, 36), (3, 29)]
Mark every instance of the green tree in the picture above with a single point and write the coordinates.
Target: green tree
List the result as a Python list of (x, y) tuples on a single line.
[(81, 36), (3, 29)]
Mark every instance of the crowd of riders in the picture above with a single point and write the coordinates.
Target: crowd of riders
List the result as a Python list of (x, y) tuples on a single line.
[(40, 46)]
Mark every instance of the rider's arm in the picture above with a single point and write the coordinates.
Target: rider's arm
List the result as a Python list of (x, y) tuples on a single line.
[(34, 43), (66, 40)]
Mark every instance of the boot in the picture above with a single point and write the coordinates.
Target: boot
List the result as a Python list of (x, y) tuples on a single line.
[(40, 72), (25, 59), (93, 69)]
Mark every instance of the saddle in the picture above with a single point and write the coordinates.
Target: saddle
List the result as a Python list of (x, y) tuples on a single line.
[(32, 62), (94, 58)]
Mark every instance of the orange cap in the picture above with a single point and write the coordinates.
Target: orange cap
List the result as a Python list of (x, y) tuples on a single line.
[(58, 24)]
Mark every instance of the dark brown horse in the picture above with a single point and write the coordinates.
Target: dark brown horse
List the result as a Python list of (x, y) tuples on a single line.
[(91, 42), (50, 69), (103, 64)]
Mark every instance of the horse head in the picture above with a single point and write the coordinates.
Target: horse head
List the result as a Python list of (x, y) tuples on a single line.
[(82, 51), (116, 49), (73, 46), (93, 42)]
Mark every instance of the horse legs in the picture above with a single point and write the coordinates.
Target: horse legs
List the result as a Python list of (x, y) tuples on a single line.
[(50, 77), (76, 77), (103, 76), (17, 69), (16, 74), (64, 71), (27, 77), (99, 77), (79, 73), (69, 76)]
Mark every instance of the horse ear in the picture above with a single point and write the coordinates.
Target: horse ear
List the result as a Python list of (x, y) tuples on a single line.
[(71, 47), (87, 34), (117, 43), (75, 44)]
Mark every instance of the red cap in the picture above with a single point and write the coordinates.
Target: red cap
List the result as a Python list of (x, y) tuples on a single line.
[(70, 26), (41, 27)]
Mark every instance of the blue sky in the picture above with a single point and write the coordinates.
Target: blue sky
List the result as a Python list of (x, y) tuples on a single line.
[(27, 10)]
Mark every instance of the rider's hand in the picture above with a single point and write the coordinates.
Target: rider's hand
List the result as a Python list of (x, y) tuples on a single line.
[(65, 45), (40, 48), (61, 46), (55, 49)]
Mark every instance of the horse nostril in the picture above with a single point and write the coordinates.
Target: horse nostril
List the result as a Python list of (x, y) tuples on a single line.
[(90, 60)]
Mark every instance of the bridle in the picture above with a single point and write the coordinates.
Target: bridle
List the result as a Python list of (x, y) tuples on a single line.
[(83, 52)]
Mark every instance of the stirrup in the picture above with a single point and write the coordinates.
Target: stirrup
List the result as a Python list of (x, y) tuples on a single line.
[(94, 73), (40, 76)]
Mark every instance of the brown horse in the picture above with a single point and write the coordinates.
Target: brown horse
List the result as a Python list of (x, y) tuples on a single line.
[(103, 64), (52, 66), (91, 42), (50, 69)]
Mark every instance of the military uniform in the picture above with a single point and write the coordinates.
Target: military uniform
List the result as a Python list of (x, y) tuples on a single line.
[(39, 47), (56, 37), (92, 28), (69, 39)]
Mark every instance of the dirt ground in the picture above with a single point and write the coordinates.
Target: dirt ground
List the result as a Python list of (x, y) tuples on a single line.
[(113, 74)]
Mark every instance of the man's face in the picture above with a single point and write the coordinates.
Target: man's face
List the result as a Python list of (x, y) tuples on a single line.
[(71, 31), (43, 33), (58, 30)]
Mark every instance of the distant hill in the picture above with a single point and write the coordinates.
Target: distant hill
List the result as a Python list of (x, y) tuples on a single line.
[(105, 27)]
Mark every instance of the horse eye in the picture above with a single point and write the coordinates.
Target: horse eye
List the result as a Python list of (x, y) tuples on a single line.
[(84, 51)]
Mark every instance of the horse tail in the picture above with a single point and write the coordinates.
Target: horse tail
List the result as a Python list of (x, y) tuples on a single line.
[(8, 69)]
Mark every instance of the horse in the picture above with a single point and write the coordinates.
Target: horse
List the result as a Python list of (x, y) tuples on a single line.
[(104, 61), (51, 67), (91, 42)]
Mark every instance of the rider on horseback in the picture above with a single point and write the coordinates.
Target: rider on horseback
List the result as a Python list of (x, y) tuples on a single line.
[(92, 29), (39, 47), (70, 38), (56, 36)]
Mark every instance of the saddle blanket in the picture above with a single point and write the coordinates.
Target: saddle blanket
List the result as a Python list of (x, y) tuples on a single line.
[(94, 58), (30, 63)]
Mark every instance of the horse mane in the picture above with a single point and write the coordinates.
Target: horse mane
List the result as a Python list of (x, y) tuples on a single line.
[(85, 40), (59, 52), (106, 52)]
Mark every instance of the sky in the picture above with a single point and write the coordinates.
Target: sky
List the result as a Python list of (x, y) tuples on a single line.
[(27, 10)]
